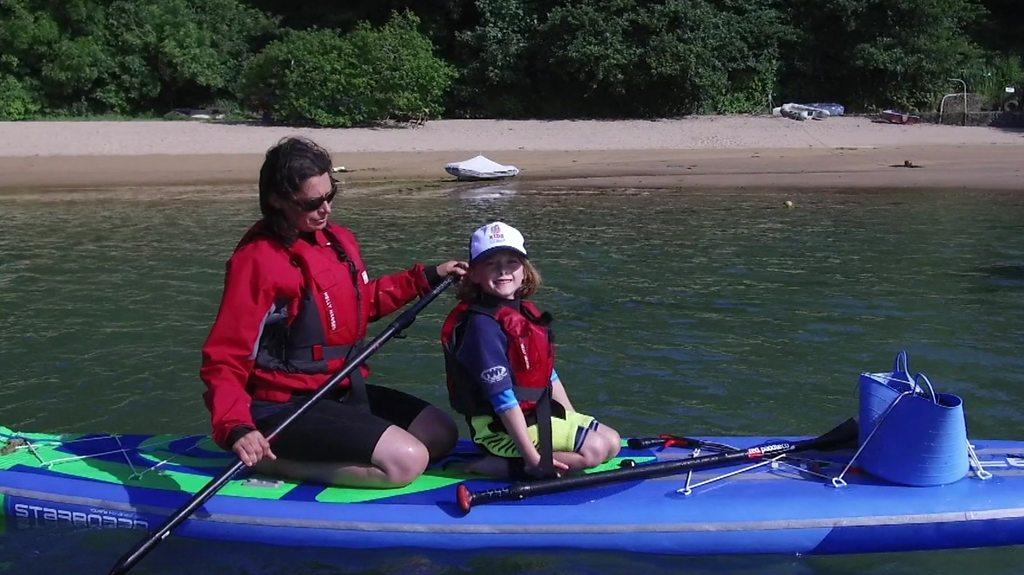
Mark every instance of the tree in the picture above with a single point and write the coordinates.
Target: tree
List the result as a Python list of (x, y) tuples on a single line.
[(879, 53), (127, 56), (618, 58)]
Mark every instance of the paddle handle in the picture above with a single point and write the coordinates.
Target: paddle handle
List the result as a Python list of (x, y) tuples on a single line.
[(403, 321), (644, 442), (668, 440), (844, 433)]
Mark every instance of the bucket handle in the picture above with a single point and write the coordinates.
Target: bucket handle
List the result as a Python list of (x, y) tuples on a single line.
[(918, 377), (902, 363)]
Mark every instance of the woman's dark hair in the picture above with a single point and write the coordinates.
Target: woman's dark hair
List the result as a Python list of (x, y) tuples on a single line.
[(287, 165)]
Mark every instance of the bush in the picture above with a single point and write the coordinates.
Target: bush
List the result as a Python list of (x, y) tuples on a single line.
[(323, 78), (16, 102), (991, 80), (407, 80)]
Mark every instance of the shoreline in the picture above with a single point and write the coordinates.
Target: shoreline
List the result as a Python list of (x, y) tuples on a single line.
[(697, 152)]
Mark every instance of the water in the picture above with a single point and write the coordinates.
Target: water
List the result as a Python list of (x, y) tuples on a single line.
[(719, 312)]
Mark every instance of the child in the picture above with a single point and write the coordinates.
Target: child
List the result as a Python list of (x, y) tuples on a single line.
[(499, 356)]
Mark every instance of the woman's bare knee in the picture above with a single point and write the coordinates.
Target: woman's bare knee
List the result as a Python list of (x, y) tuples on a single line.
[(400, 456), (436, 430)]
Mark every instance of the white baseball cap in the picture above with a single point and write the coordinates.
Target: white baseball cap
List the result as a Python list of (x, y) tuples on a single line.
[(493, 237)]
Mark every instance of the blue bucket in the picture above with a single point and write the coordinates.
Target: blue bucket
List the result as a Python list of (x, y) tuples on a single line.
[(910, 436)]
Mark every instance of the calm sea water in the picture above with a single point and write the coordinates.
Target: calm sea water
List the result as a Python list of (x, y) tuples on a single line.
[(719, 312)]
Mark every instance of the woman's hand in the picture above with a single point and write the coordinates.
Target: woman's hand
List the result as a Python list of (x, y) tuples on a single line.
[(452, 267), (252, 447)]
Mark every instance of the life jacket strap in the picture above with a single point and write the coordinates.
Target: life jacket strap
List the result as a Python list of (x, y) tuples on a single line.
[(532, 394), (318, 352), (543, 410), (357, 385)]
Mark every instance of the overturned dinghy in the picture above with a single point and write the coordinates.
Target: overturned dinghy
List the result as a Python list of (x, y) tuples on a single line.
[(480, 168)]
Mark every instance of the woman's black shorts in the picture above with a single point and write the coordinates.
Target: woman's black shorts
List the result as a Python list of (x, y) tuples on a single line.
[(335, 431)]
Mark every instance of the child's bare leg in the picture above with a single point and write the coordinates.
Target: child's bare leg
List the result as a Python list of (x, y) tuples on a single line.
[(612, 441), (490, 466)]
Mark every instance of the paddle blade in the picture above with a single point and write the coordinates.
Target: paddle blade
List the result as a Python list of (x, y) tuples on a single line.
[(843, 435)]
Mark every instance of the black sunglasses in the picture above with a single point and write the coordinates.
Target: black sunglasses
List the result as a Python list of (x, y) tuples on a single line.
[(315, 203)]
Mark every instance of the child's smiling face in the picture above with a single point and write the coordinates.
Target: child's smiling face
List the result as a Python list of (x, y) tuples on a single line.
[(499, 274)]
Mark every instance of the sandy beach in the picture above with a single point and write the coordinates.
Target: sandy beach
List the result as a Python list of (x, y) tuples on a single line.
[(705, 151)]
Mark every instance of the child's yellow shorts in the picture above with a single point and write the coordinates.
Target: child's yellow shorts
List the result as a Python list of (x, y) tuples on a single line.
[(568, 432)]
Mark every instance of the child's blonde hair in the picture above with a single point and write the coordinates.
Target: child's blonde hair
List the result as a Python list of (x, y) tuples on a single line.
[(469, 291)]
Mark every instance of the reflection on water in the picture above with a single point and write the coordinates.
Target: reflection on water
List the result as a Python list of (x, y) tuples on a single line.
[(485, 192), (687, 312)]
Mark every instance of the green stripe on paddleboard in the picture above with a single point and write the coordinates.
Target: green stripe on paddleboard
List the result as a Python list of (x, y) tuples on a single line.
[(432, 479), (616, 462), (154, 450), (423, 483)]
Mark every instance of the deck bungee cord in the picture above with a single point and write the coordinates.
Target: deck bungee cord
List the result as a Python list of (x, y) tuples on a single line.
[(18, 443)]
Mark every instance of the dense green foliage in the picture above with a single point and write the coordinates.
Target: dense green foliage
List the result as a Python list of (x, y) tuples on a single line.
[(126, 56), (16, 102), (621, 57), (371, 74), (660, 59), (352, 63), (877, 53)]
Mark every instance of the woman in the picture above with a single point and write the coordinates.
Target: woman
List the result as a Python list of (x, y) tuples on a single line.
[(296, 303)]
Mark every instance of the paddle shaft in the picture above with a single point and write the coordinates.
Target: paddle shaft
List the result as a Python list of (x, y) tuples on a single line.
[(403, 321), (844, 433)]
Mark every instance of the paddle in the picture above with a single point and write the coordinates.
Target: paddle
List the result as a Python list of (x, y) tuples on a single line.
[(841, 435), (403, 321)]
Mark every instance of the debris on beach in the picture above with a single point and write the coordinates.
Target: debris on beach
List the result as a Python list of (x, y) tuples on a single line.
[(801, 112), (832, 108), (897, 117), (906, 164), (480, 168), (194, 114)]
